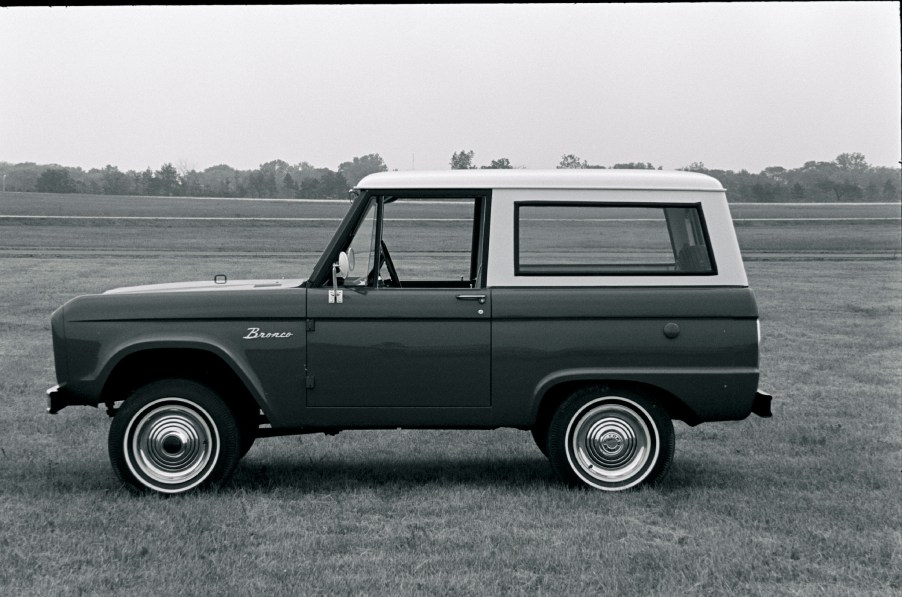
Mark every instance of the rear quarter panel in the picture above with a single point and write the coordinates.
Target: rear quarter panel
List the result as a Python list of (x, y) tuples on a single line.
[(543, 337)]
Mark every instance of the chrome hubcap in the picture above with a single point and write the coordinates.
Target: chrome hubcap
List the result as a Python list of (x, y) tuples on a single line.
[(611, 443), (172, 444)]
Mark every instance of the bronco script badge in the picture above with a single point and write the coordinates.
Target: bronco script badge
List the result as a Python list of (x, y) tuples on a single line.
[(254, 333)]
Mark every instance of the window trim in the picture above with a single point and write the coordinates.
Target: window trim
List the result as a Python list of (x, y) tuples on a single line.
[(697, 206)]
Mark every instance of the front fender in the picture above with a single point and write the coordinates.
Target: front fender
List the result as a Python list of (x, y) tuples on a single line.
[(271, 368)]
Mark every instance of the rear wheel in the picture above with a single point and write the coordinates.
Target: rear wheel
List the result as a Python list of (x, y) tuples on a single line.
[(610, 439), (172, 436)]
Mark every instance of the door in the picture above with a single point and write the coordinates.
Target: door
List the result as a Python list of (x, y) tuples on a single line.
[(414, 330)]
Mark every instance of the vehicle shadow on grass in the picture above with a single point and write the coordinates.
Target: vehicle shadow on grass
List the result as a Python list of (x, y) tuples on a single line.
[(332, 474), (329, 475)]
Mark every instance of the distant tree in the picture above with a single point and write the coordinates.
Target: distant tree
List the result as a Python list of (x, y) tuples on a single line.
[(798, 192), (889, 190), (815, 165), (218, 181), (192, 183), (23, 176), (148, 183), (184, 169), (872, 191), (355, 170), (841, 190), (88, 182), (309, 188), (695, 167), (114, 182), (334, 185), (55, 180), (462, 160), (306, 169), (273, 175), (774, 172), (275, 166), (571, 162), (328, 185), (261, 183), (168, 182), (634, 166), (290, 186), (849, 191), (855, 162), (763, 192), (499, 164)]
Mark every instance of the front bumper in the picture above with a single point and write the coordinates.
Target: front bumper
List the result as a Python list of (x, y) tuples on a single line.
[(59, 398), (761, 404)]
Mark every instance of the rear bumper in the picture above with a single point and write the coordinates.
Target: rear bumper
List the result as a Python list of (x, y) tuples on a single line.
[(59, 398), (761, 404)]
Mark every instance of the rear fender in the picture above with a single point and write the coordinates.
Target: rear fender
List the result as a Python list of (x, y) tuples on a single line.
[(692, 396)]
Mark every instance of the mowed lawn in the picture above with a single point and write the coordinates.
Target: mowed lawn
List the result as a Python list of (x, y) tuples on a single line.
[(804, 503)]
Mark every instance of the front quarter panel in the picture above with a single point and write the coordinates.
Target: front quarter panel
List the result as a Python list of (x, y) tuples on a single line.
[(259, 334)]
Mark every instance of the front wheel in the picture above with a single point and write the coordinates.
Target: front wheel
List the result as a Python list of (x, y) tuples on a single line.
[(610, 439), (173, 436), (540, 436)]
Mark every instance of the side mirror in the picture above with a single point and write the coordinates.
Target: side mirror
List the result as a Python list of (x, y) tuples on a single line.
[(343, 267), (340, 269)]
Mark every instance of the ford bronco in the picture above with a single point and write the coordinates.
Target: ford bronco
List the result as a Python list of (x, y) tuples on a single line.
[(591, 308)]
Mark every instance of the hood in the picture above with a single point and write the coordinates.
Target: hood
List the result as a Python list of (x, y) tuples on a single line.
[(207, 285)]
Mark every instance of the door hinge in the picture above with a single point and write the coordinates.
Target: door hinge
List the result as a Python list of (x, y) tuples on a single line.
[(311, 382), (311, 325)]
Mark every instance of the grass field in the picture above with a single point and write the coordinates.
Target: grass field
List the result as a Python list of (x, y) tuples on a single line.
[(804, 503)]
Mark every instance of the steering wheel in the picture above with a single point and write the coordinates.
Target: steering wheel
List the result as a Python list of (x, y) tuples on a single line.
[(389, 264)]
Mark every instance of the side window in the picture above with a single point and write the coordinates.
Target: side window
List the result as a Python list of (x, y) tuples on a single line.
[(430, 241), (614, 239), (433, 242)]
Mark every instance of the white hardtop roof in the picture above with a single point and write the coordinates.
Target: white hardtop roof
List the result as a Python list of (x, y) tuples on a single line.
[(542, 179)]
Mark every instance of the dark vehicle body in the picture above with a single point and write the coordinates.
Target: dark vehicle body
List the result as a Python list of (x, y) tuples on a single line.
[(525, 326)]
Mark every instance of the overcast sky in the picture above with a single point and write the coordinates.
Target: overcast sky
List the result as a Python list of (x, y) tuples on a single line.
[(731, 85)]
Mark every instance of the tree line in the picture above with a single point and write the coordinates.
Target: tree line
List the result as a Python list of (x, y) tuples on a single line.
[(847, 178), (274, 179)]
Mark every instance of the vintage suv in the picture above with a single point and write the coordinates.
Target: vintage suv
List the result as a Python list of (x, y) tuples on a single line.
[(590, 307)]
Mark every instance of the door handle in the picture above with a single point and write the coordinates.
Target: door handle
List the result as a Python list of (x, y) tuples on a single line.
[(472, 297)]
